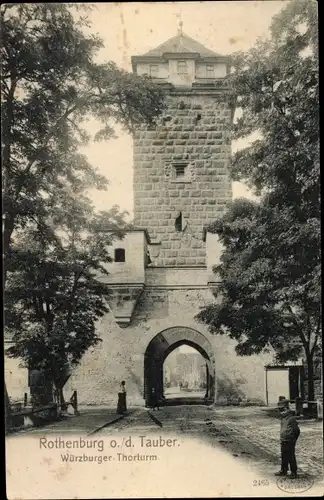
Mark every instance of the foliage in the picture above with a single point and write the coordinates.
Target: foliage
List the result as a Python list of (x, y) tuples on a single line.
[(56, 292), (55, 246), (275, 86), (230, 389), (50, 86), (270, 268), (266, 299)]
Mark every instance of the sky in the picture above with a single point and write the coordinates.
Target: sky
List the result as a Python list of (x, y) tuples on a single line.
[(135, 28)]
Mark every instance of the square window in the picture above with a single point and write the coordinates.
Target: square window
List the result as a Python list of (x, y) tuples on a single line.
[(120, 255), (182, 67), (210, 70), (180, 170), (154, 70)]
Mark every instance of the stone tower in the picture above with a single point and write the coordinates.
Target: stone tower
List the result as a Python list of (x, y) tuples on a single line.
[(181, 181), (162, 270)]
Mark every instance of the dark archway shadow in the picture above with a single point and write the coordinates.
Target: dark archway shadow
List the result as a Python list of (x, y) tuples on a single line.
[(156, 353)]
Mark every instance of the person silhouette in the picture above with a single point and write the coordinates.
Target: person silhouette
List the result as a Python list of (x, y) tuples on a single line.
[(121, 405), (289, 433), (154, 399)]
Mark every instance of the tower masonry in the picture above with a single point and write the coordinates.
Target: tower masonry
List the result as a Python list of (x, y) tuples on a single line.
[(162, 275), (181, 181)]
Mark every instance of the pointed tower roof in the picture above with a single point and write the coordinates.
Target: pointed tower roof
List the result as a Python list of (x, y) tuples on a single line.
[(181, 44)]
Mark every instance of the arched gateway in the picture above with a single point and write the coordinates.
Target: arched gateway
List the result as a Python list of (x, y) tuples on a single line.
[(162, 345)]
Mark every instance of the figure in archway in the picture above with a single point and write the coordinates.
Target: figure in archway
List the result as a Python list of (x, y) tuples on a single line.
[(154, 399)]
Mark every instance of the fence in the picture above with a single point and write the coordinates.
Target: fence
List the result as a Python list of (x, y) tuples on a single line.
[(309, 408), (22, 416)]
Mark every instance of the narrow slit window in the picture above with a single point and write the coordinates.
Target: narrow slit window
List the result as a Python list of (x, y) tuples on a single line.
[(178, 223), (119, 255)]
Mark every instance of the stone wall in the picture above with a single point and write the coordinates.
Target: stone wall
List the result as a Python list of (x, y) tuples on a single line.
[(120, 356), (194, 131)]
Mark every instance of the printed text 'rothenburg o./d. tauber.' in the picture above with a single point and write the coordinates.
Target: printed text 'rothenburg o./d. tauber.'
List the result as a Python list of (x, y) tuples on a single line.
[(92, 450)]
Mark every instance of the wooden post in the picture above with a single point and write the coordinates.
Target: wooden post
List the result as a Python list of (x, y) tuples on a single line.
[(76, 402), (266, 386)]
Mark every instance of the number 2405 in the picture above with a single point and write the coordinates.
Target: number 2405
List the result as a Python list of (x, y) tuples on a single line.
[(261, 482)]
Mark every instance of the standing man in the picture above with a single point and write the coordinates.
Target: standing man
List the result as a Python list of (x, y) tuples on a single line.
[(289, 433)]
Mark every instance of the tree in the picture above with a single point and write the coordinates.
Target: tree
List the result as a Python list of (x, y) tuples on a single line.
[(55, 292), (50, 86), (269, 292), (270, 267)]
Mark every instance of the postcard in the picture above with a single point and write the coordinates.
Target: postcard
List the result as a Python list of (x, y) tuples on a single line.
[(161, 243)]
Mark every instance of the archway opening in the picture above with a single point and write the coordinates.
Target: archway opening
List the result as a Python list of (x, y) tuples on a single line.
[(157, 352), (185, 376)]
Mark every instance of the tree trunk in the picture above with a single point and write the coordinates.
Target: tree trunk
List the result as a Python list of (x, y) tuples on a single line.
[(59, 396), (310, 377)]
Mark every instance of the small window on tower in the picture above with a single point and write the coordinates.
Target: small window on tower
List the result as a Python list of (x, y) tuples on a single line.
[(182, 67), (119, 255), (154, 70), (180, 170), (210, 70)]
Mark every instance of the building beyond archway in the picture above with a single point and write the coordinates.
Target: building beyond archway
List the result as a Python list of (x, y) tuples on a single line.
[(161, 346)]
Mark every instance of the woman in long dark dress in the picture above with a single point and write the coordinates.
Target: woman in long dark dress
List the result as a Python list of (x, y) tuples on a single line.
[(121, 405)]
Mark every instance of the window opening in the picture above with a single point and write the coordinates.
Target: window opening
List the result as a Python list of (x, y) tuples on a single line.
[(182, 67), (119, 255), (210, 70), (180, 223), (180, 170), (154, 70)]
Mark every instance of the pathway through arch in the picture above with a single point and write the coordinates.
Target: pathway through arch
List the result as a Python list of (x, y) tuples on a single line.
[(156, 353)]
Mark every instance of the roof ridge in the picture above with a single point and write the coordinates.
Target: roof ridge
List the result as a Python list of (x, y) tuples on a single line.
[(161, 44), (178, 41), (195, 41)]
